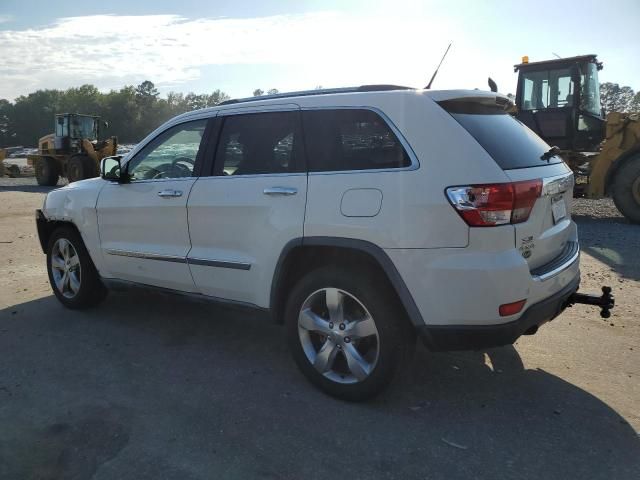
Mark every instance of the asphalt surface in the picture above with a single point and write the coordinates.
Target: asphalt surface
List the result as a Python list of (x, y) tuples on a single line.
[(154, 386)]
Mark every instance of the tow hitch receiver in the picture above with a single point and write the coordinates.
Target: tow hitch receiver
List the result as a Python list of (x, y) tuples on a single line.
[(606, 301)]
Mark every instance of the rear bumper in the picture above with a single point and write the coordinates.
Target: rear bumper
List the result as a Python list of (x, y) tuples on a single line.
[(475, 337)]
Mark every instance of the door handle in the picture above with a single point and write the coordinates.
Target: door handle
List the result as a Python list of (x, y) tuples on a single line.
[(169, 193), (280, 191)]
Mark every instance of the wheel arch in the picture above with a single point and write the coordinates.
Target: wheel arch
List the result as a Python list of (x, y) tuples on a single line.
[(616, 165), (47, 227), (318, 251)]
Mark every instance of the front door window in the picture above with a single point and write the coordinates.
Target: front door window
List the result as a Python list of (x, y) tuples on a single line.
[(172, 154)]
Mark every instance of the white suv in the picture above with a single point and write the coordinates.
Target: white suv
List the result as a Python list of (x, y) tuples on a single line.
[(357, 217)]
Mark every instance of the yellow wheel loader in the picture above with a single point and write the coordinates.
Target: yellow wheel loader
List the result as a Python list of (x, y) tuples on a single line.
[(560, 100), (74, 151)]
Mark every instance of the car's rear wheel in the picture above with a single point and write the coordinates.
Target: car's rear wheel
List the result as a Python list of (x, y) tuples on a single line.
[(72, 275), (345, 332)]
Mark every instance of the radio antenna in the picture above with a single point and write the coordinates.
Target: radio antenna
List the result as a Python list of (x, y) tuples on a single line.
[(436, 72)]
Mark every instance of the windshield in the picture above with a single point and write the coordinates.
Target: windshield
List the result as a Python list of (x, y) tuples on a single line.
[(590, 95), (83, 127)]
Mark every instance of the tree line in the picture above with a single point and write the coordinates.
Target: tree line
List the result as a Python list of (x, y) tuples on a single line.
[(131, 112), (134, 111), (615, 98)]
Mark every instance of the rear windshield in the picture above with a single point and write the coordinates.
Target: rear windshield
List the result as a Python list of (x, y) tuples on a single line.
[(509, 142)]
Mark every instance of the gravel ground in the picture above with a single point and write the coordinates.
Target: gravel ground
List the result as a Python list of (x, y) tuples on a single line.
[(151, 386), (587, 209)]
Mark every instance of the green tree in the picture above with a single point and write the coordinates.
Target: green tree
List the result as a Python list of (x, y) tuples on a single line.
[(216, 98), (6, 131), (635, 103), (132, 111), (615, 98)]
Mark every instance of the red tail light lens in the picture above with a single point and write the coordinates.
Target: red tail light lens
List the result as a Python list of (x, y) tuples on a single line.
[(495, 204), (511, 308)]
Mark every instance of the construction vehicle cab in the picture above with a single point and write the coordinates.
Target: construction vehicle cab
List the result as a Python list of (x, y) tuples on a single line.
[(74, 151), (71, 128), (560, 101)]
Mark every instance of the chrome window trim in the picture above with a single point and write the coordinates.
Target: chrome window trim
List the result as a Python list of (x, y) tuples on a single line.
[(156, 180), (415, 163), (254, 175)]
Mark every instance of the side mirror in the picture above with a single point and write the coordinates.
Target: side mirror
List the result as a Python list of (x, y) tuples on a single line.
[(110, 169)]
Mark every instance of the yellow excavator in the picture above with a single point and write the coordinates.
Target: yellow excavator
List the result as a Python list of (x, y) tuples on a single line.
[(559, 99), (74, 151)]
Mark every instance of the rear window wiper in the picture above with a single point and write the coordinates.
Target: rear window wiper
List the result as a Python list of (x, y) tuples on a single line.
[(552, 152)]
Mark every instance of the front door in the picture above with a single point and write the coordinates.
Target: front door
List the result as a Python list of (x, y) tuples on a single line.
[(242, 216), (144, 234)]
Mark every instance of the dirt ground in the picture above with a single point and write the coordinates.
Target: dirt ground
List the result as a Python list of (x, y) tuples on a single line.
[(151, 386)]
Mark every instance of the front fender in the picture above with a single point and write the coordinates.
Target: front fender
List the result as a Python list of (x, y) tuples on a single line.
[(76, 204)]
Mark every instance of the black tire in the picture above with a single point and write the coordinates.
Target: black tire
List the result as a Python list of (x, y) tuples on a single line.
[(81, 167), (626, 189), (47, 172), (91, 291), (13, 171), (373, 293)]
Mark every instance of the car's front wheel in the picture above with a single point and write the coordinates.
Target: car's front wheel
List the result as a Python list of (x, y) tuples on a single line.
[(345, 332), (72, 275)]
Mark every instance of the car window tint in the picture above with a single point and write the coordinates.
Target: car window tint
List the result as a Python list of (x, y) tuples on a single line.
[(346, 139), (172, 154), (510, 143), (259, 143)]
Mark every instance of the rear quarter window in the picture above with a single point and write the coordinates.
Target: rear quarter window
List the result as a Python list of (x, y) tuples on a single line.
[(351, 139), (510, 143)]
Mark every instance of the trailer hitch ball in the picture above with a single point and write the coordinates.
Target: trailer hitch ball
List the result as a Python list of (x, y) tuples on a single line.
[(608, 298), (606, 301)]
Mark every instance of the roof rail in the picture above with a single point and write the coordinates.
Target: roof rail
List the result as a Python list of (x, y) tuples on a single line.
[(321, 91)]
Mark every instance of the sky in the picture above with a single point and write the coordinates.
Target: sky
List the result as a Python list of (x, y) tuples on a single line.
[(238, 46)]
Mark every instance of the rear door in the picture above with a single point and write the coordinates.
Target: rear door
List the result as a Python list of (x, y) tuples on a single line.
[(144, 236), (244, 213), (516, 149)]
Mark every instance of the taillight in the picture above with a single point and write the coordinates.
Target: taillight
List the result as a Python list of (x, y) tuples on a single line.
[(511, 308), (495, 204)]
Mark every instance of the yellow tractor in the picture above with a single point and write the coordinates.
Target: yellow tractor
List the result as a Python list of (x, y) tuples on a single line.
[(559, 99), (74, 151)]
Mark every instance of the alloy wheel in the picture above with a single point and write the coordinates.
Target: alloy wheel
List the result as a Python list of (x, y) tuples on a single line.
[(338, 335), (65, 268)]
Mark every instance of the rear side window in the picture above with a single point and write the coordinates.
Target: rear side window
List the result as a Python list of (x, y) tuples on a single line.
[(509, 142), (346, 139), (260, 143)]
